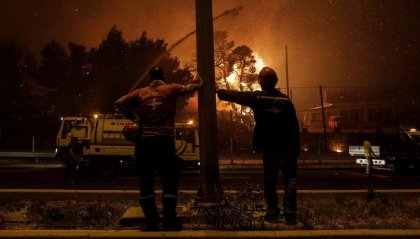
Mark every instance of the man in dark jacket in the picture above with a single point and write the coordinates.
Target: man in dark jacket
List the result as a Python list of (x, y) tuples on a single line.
[(155, 145), (73, 159), (276, 135)]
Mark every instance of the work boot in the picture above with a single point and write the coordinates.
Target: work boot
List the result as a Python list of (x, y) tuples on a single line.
[(151, 216), (272, 215), (170, 221)]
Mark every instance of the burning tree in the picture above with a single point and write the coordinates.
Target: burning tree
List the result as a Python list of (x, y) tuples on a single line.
[(222, 62), (236, 68)]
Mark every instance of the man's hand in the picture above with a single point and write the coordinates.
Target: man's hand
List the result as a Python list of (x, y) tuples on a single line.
[(122, 106), (198, 80), (197, 84), (120, 101)]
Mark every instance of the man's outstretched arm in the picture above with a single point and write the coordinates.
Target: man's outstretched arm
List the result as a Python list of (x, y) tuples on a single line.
[(122, 105), (242, 98), (198, 83)]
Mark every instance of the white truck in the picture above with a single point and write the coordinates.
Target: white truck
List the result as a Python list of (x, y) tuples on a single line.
[(106, 150)]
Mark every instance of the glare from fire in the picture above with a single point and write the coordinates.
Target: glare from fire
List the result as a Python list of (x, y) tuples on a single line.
[(232, 78), (259, 64)]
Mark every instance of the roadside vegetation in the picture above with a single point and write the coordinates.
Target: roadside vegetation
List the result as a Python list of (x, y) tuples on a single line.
[(316, 212), (351, 211)]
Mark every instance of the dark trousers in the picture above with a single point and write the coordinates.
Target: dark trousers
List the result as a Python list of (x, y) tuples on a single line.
[(157, 155), (273, 163), (70, 170)]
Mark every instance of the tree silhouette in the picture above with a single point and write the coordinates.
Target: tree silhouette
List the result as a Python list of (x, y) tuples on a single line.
[(10, 76), (244, 66), (21, 103), (12, 90), (222, 52), (53, 74), (53, 67), (108, 69), (73, 81), (117, 66), (79, 69), (234, 68)]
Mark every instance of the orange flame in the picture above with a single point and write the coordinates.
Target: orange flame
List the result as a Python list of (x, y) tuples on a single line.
[(233, 80)]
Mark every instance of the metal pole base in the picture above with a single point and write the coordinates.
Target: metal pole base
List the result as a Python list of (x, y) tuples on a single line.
[(209, 190)]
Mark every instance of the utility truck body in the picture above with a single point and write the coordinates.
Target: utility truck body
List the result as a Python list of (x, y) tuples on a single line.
[(105, 148)]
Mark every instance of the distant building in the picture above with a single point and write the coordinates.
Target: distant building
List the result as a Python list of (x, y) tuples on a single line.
[(352, 112)]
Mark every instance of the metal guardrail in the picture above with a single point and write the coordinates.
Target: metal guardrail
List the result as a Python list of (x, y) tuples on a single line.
[(242, 156), (303, 156), (29, 160), (48, 160), (26, 155)]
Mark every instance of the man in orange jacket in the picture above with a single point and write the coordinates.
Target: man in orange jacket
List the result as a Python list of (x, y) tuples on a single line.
[(155, 144)]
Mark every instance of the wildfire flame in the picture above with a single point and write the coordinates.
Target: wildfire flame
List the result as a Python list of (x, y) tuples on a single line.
[(233, 80), (233, 77)]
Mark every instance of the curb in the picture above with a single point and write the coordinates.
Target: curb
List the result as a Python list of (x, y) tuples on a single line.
[(361, 233), (63, 194)]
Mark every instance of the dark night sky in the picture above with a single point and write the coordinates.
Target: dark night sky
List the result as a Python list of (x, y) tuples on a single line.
[(330, 42)]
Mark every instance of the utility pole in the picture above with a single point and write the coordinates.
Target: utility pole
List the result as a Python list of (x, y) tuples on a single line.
[(209, 161), (287, 73), (323, 120)]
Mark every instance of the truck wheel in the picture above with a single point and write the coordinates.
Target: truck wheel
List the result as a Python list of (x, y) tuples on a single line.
[(107, 167)]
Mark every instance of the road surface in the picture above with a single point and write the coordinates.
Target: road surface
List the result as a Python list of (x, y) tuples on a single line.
[(309, 178)]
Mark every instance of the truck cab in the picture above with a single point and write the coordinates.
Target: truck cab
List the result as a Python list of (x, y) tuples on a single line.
[(72, 127)]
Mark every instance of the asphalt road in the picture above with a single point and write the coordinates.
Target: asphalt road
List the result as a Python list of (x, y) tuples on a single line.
[(310, 179)]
